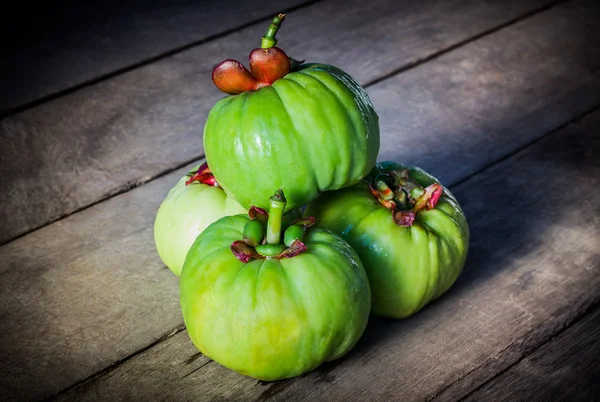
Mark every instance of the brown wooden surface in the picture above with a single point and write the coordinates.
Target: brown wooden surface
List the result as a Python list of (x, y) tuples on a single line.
[(124, 131), (513, 288), (82, 293), (470, 107), (87, 296), (565, 369), (73, 43)]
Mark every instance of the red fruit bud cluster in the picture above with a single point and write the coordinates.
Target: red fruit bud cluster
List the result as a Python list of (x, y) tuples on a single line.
[(267, 64)]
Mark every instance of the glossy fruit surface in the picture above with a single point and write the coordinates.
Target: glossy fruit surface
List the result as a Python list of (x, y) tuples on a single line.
[(272, 317), (410, 258), (313, 130), (184, 213)]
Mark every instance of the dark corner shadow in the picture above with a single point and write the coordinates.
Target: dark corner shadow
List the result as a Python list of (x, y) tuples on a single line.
[(58, 46)]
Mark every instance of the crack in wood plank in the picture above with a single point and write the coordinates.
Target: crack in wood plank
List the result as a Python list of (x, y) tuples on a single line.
[(117, 364), (457, 45), (515, 352), (566, 368), (193, 358), (197, 368)]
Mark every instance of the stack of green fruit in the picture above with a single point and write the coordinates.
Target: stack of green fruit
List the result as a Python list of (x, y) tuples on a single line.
[(295, 235)]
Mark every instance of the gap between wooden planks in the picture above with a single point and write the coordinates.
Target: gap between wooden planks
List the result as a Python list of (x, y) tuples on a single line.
[(74, 151), (87, 327), (515, 293), (567, 368)]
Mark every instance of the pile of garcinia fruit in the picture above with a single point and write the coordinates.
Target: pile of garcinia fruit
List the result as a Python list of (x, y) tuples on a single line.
[(291, 235)]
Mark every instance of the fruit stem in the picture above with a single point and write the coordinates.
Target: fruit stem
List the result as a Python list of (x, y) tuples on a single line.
[(269, 40), (278, 202)]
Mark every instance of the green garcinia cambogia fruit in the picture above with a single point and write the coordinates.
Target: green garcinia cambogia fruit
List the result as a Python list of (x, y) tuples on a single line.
[(302, 127), (408, 230), (270, 301), (190, 206)]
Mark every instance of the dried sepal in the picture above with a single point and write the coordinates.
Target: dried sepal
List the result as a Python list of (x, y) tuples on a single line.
[(202, 175), (404, 218), (243, 251), (429, 198), (295, 249), (258, 213), (407, 197), (294, 64), (304, 221)]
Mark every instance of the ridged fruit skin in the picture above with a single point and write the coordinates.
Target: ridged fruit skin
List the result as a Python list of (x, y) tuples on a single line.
[(407, 266), (273, 319), (313, 130), (183, 214)]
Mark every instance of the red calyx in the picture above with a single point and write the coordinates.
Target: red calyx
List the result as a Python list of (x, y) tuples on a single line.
[(394, 192), (266, 67), (295, 249), (429, 198), (304, 221), (258, 213), (232, 77), (269, 65), (202, 175), (243, 251)]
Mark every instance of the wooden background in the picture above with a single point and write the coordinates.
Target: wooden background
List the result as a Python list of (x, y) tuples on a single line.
[(103, 111)]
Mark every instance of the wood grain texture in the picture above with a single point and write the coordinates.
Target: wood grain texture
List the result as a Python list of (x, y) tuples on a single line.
[(565, 369), (83, 293), (514, 283), (129, 129), (514, 352), (494, 95), (81, 42), (93, 284)]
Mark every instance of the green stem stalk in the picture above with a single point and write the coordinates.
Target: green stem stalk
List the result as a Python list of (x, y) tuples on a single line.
[(269, 40), (278, 203)]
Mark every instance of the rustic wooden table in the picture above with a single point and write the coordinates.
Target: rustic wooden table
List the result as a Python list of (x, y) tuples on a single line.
[(498, 99)]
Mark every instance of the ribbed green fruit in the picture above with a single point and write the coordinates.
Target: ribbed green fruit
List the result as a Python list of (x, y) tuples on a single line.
[(183, 214), (273, 318), (313, 130), (407, 266)]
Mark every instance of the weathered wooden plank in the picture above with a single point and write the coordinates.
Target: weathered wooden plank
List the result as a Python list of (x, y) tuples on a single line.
[(131, 128), (111, 243), (565, 369), (82, 293), (514, 352), (479, 102), (83, 42), (514, 285)]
